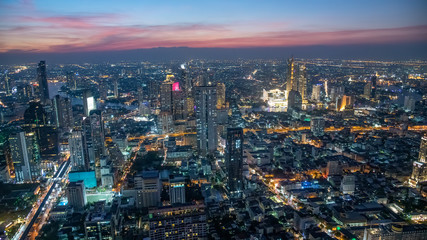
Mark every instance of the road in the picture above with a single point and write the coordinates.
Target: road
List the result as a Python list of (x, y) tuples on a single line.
[(56, 179)]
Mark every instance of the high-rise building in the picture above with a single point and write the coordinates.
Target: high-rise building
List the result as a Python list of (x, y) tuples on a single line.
[(97, 140), (294, 100), (116, 87), (344, 102), (166, 96), (220, 91), (315, 94), (178, 102), (302, 82), (333, 168), (42, 81), (76, 194), (35, 114), (317, 126), (71, 80), (77, 153), (89, 102), (206, 100), (177, 189), (291, 75), (178, 222), (63, 112), (419, 170), (103, 223), (373, 87), (7, 84), (25, 156), (234, 158), (148, 188)]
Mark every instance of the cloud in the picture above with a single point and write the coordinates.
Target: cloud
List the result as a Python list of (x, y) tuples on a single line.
[(104, 32)]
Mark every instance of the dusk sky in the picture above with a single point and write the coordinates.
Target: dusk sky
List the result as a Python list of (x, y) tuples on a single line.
[(80, 26)]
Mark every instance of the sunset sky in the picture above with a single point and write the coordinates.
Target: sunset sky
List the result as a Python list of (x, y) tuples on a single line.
[(83, 26)]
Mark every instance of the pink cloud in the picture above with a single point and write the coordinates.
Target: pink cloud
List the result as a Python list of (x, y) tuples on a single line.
[(95, 33)]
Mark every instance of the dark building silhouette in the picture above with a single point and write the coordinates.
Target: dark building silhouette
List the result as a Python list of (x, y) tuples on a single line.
[(35, 114), (234, 158), (294, 100), (42, 80)]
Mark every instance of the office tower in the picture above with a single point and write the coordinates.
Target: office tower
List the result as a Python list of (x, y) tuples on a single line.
[(76, 195), (180, 222), (166, 96), (234, 158), (25, 156), (48, 140), (71, 80), (294, 100), (409, 103), (24, 92), (177, 189), (220, 91), (367, 90), (373, 87), (165, 123), (178, 102), (336, 92), (291, 82), (148, 188), (42, 80), (7, 84), (77, 155), (116, 87), (315, 94), (35, 114), (63, 112), (89, 102), (419, 170), (103, 89), (97, 139), (317, 126), (206, 99), (348, 184), (344, 102), (302, 82)]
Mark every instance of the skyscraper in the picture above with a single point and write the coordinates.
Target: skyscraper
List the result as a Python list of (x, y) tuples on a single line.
[(149, 188), (95, 139), (89, 102), (42, 80), (77, 156), (63, 112), (234, 158), (206, 100), (302, 82), (166, 96), (76, 194), (71, 81), (419, 170), (291, 82), (294, 100), (116, 87), (178, 102), (315, 93), (220, 90), (25, 156)]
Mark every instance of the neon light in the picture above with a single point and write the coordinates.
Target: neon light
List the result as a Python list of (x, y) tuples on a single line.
[(175, 87)]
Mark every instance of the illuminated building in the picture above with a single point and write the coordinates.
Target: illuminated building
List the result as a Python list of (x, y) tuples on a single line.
[(206, 100), (220, 91), (315, 94), (177, 189), (102, 223), (42, 80), (317, 126), (71, 81), (344, 102), (25, 156), (291, 82), (302, 83), (396, 231), (234, 159), (116, 87), (77, 155), (165, 122), (35, 114), (419, 170), (95, 139), (89, 103), (180, 222), (76, 195), (166, 96), (276, 100), (409, 103), (178, 101)]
